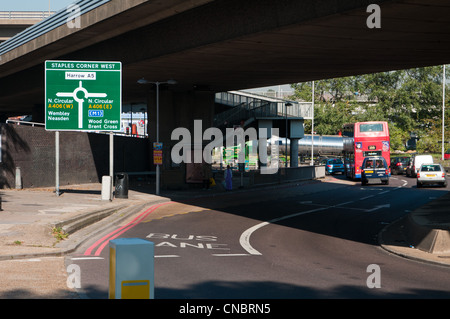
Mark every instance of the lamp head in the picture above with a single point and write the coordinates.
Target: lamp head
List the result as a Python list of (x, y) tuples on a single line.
[(142, 81)]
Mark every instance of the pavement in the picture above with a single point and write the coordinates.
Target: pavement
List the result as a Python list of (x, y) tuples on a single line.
[(34, 224), (422, 235)]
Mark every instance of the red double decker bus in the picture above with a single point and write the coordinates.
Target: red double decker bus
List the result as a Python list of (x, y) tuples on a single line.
[(363, 139)]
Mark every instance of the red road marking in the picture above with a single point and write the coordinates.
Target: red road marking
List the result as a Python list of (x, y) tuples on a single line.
[(114, 234)]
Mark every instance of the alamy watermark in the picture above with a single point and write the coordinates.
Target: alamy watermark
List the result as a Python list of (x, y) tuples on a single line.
[(74, 276), (374, 279), (73, 20), (190, 149), (374, 19)]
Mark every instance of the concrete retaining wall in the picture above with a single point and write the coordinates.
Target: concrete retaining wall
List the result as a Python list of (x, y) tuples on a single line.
[(84, 157), (176, 179), (428, 227), (428, 239), (287, 175)]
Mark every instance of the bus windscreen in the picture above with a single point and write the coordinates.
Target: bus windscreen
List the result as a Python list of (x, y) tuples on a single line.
[(371, 127)]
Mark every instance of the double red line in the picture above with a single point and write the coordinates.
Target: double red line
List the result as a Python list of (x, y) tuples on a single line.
[(102, 242)]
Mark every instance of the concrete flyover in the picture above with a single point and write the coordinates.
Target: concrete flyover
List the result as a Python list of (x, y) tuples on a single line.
[(221, 45)]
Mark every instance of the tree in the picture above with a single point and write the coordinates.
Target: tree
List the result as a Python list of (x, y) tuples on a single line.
[(410, 100), (333, 103)]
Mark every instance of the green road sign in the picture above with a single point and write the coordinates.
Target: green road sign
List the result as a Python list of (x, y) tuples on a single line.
[(83, 96)]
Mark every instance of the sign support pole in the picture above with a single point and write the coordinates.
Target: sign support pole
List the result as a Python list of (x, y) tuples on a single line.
[(57, 192), (111, 160), (158, 173)]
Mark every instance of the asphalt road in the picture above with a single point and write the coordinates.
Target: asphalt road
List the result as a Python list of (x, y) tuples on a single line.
[(315, 240)]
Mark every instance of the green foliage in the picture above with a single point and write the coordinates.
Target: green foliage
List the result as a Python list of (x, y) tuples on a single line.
[(410, 100), (398, 137), (428, 144), (59, 233)]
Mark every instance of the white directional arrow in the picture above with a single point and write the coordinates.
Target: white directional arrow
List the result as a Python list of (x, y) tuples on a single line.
[(80, 101), (378, 207)]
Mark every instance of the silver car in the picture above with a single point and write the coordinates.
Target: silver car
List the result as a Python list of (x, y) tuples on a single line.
[(431, 174)]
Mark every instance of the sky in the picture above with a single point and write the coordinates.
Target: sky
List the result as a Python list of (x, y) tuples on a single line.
[(34, 5)]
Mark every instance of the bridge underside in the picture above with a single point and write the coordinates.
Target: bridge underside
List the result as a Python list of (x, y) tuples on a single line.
[(231, 44)]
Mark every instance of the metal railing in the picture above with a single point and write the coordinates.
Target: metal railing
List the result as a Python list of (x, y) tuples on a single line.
[(18, 122), (250, 105), (37, 15), (35, 124)]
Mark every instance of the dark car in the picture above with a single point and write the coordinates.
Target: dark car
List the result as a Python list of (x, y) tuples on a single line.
[(374, 170), (333, 165), (399, 164)]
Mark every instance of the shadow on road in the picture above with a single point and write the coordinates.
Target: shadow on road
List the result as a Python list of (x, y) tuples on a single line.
[(245, 290)]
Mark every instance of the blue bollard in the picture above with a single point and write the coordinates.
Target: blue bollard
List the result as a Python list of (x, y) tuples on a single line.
[(131, 269)]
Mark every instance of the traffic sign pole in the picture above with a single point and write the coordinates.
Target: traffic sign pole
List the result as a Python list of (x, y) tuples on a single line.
[(111, 160), (57, 192)]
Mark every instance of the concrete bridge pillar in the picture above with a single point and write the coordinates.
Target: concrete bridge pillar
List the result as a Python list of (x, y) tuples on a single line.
[(176, 109), (294, 152), (296, 132)]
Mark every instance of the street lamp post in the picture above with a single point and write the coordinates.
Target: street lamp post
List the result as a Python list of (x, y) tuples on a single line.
[(144, 81), (285, 147), (312, 126), (443, 112)]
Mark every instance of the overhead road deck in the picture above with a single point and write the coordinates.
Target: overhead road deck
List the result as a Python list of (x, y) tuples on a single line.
[(222, 45)]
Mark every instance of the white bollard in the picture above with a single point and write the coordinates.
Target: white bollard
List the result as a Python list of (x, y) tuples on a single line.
[(107, 188), (18, 178)]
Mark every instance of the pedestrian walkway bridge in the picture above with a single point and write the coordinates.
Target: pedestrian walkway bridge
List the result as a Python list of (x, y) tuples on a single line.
[(248, 107), (14, 22)]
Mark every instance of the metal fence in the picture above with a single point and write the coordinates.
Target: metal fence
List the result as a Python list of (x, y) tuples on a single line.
[(37, 15), (52, 22)]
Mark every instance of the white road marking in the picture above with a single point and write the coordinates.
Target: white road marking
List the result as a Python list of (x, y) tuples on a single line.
[(87, 258), (245, 237), (378, 207)]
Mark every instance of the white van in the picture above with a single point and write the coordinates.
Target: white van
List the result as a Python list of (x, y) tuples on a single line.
[(416, 162)]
